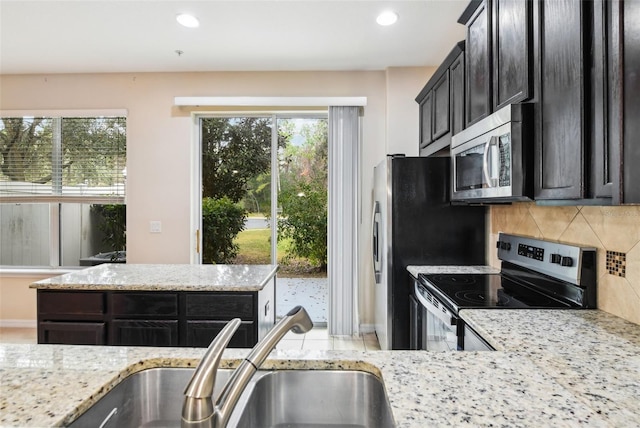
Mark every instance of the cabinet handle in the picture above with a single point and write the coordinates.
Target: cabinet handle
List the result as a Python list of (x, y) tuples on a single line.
[(266, 308), (198, 241)]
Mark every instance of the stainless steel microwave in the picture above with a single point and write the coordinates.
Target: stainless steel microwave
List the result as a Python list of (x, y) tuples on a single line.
[(492, 160)]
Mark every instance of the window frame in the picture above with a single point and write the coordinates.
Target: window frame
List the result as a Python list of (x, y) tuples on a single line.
[(55, 201)]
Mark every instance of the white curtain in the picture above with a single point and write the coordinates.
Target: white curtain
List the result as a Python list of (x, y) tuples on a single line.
[(344, 127)]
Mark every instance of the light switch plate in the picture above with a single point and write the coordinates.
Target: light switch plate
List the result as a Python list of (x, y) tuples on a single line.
[(155, 226)]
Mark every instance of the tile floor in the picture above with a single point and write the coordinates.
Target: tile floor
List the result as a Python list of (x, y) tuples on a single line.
[(316, 339)]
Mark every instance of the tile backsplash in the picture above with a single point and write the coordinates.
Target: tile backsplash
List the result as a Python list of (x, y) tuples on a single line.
[(609, 229)]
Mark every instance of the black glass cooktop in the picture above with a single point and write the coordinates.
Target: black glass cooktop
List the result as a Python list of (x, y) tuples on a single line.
[(486, 291)]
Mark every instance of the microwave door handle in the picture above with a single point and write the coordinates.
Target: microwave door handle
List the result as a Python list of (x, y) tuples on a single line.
[(491, 182)]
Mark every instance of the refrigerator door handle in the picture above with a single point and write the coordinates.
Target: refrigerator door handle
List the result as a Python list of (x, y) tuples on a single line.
[(375, 222)]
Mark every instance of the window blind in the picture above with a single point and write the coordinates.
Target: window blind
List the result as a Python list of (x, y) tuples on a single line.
[(56, 159)]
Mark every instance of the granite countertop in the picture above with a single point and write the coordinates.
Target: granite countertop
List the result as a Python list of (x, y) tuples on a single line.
[(149, 277), (552, 368), (415, 270)]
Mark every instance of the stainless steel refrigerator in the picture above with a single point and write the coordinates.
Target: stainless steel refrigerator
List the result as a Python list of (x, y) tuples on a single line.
[(414, 223)]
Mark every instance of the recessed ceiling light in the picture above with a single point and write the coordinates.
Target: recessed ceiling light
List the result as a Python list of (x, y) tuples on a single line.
[(387, 17), (187, 20)]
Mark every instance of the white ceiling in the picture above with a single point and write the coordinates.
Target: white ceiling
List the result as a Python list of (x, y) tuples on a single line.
[(86, 36)]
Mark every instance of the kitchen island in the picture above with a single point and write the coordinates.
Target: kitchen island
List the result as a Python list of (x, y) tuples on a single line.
[(552, 368), (156, 305)]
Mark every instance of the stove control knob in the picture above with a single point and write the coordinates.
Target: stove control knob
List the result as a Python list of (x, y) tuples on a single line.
[(566, 261), (556, 258), (505, 246)]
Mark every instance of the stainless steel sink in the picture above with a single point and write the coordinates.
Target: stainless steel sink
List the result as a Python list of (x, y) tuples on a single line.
[(282, 398), (150, 398), (314, 398)]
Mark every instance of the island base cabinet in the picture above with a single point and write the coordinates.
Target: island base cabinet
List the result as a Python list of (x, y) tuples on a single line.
[(72, 333), (153, 318), (144, 333), (200, 334)]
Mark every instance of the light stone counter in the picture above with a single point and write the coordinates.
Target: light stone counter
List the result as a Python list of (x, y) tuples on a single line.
[(415, 270), (554, 369), (49, 385), (147, 277), (591, 353)]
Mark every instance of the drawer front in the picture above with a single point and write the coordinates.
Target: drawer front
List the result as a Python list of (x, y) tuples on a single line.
[(144, 304), (201, 333), (70, 305), (72, 333), (220, 306)]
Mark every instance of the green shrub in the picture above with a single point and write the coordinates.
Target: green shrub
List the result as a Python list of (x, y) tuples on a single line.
[(222, 220), (304, 222), (113, 226)]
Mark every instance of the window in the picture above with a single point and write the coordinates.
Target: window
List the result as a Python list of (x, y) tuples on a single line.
[(62, 189)]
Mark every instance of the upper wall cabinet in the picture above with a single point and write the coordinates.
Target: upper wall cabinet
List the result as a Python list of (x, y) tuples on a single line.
[(498, 55), (560, 110), (588, 108), (442, 103), (615, 106), (512, 52)]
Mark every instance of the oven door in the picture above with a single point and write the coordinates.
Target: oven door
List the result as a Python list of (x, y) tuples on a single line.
[(439, 328)]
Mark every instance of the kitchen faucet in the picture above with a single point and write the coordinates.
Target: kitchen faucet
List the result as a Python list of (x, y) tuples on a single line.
[(198, 409)]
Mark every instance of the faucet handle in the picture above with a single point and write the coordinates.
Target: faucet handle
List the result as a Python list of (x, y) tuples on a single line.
[(202, 383)]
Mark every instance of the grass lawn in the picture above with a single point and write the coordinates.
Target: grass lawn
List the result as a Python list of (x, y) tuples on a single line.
[(255, 249)]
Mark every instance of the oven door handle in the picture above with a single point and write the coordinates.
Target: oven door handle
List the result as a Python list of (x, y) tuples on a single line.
[(491, 182), (442, 313)]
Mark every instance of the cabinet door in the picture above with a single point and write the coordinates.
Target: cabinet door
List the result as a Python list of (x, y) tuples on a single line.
[(630, 190), (478, 63), (456, 84), (511, 52), (605, 162), (201, 333), (426, 118), (144, 332), (560, 136), (441, 107), (72, 333)]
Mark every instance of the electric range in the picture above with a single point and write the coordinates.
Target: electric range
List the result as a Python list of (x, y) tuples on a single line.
[(535, 274)]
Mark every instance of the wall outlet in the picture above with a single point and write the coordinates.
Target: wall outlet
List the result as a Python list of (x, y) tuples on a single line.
[(155, 226)]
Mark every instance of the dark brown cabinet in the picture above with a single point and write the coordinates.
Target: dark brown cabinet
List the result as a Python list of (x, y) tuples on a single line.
[(615, 123), (426, 120), (512, 52), (498, 55), (456, 82), (560, 110), (151, 318), (440, 125), (478, 62), (441, 104)]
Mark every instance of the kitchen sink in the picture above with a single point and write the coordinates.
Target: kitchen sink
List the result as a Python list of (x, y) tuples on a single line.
[(281, 398), (314, 398), (150, 398)]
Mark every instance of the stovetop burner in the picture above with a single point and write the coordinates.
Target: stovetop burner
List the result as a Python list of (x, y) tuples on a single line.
[(475, 297), (487, 291)]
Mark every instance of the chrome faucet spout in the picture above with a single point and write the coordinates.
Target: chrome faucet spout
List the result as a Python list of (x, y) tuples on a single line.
[(198, 409)]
